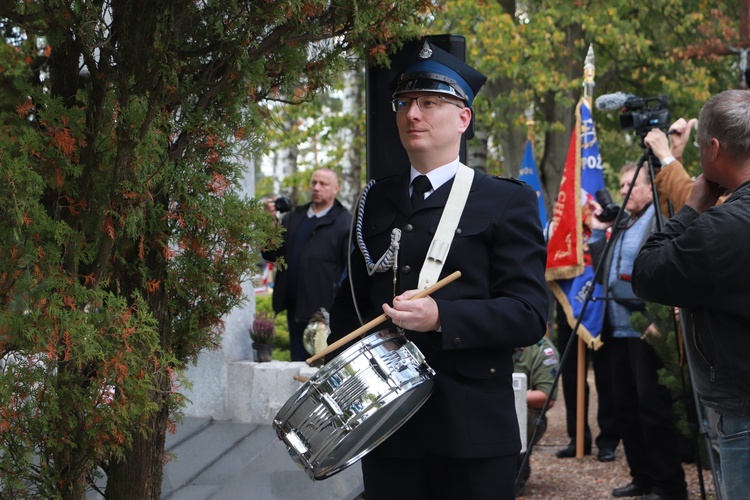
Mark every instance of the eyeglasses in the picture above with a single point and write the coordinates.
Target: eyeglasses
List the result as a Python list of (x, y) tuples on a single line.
[(425, 103)]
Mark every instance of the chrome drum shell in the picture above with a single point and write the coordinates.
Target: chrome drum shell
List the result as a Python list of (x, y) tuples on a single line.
[(353, 403)]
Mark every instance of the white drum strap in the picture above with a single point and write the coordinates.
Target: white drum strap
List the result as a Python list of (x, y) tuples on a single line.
[(446, 229)]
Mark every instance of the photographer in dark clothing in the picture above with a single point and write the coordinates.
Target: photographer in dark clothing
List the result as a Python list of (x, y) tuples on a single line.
[(315, 248), (700, 262)]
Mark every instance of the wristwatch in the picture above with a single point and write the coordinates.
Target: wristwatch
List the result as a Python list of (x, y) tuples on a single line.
[(666, 161)]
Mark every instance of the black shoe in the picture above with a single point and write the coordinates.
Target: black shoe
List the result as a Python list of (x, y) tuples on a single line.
[(606, 455), (631, 490), (570, 451), (657, 496)]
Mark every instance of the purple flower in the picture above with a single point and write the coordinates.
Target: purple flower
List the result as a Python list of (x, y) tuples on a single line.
[(263, 330)]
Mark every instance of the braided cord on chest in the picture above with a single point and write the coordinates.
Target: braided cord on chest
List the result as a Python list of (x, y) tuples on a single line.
[(389, 260)]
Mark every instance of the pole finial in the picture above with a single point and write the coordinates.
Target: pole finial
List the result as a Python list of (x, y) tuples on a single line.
[(529, 116), (589, 70)]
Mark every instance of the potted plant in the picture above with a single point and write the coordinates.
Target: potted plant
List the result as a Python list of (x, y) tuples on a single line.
[(262, 334)]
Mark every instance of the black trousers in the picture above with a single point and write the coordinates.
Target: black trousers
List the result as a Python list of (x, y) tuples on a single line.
[(296, 332), (439, 477), (645, 418), (609, 436)]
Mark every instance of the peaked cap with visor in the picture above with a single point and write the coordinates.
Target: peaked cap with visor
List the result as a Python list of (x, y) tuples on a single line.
[(432, 69)]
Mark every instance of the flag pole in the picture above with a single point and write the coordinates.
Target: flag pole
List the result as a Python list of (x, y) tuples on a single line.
[(529, 114), (588, 91)]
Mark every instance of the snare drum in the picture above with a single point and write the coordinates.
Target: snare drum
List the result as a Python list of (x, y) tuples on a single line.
[(353, 403)]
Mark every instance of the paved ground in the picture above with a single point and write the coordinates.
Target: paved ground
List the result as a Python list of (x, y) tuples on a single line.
[(220, 460), (230, 461), (587, 478)]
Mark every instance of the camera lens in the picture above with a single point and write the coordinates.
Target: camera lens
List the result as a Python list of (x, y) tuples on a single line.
[(283, 204), (609, 207), (604, 197)]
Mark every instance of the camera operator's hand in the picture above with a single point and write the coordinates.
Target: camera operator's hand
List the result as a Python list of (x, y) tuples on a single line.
[(657, 141), (269, 205), (594, 221), (704, 194), (679, 135)]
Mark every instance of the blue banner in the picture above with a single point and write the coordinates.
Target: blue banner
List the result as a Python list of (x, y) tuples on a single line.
[(592, 176), (528, 173), (575, 290)]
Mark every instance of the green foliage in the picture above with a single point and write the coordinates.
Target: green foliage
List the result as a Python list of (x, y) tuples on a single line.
[(281, 350), (318, 133), (86, 392), (125, 131), (533, 53), (674, 373)]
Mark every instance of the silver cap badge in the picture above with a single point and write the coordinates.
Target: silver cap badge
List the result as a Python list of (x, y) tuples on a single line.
[(426, 51)]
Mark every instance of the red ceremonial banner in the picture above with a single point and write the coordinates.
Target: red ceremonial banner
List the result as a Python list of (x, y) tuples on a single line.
[(564, 248)]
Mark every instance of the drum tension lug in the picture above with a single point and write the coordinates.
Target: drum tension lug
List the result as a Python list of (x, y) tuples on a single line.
[(377, 366)]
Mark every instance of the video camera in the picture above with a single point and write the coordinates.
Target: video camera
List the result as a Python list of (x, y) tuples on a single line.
[(282, 204), (642, 115), (609, 207)]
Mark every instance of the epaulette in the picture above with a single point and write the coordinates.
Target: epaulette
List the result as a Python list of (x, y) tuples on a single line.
[(386, 178), (510, 179)]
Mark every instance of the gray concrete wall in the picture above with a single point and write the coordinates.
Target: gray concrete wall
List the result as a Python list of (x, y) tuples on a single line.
[(208, 397)]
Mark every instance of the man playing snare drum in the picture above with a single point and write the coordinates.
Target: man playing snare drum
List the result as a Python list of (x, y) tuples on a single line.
[(464, 441)]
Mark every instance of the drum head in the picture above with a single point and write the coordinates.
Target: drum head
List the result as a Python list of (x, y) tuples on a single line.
[(354, 403)]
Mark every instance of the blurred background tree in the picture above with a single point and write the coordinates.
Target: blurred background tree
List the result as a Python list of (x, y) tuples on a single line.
[(533, 52)]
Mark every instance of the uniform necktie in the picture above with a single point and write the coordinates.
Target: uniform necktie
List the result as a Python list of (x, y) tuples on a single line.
[(420, 185)]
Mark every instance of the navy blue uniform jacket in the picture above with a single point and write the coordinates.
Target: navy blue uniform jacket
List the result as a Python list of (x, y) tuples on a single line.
[(500, 302)]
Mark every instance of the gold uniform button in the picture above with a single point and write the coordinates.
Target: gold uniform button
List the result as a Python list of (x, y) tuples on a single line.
[(457, 342), (458, 230), (408, 228), (406, 269), (492, 371)]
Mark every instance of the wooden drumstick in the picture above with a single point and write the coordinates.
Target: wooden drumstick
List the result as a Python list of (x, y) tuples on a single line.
[(380, 319)]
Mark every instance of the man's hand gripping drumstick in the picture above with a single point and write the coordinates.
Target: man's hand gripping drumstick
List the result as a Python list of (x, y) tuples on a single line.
[(400, 314)]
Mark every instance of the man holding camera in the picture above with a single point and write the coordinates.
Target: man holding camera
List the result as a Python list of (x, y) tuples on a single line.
[(315, 249), (699, 262), (643, 407)]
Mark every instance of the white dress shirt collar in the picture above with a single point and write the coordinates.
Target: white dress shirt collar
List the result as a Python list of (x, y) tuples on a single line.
[(322, 213), (437, 176)]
